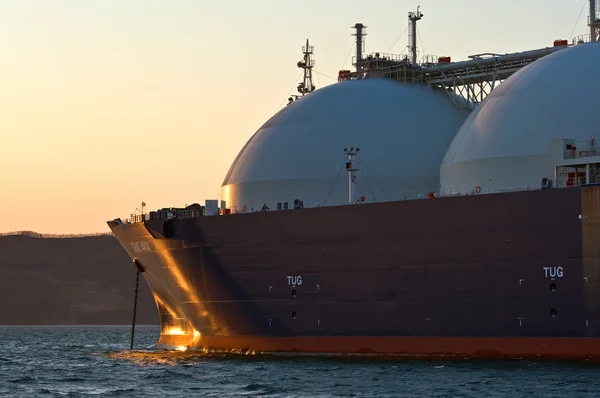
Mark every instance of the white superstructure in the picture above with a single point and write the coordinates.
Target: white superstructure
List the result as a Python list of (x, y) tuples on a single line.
[(512, 140)]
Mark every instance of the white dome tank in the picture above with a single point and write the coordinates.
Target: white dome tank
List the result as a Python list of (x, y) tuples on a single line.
[(515, 137), (403, 132)]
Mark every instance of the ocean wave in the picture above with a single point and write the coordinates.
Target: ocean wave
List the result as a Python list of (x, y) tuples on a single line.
[(55, 363)]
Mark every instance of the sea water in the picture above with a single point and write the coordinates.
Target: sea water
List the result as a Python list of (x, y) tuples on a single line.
[(96, 360)]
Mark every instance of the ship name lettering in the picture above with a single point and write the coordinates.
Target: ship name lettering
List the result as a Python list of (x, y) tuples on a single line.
[(294, 280), (553, 272), (141, 247), (136, 247)]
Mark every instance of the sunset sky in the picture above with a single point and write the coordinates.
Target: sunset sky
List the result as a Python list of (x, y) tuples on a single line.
[(105, 104)]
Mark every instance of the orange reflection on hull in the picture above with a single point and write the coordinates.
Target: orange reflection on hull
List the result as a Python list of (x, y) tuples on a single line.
[(177, 288), (179, 339)]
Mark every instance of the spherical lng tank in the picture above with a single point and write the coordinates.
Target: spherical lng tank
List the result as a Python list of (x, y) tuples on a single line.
[(513, 139), (403, 132)]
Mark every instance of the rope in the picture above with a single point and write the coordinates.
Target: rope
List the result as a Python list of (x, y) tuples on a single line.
[(289, 92), (369, 185), (420, 41), (578, 18), (348, 55), (399, 37), (334, 182), (374, 179), (137, 285), (324, 74), (318, 78)]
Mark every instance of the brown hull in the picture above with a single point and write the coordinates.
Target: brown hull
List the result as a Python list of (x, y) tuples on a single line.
[(511, 274), (417, 347)]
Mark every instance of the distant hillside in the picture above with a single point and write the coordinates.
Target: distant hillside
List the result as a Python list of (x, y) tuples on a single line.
[(32, 234), (69, 280)]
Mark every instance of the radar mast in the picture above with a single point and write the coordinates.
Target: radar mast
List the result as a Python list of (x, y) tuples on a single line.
[(351, 169), (306, 86)]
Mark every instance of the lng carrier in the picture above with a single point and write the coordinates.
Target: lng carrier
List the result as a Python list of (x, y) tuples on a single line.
[(416, 209)]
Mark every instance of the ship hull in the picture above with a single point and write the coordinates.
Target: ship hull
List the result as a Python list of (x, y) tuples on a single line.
[(404, 346), (512, 274)]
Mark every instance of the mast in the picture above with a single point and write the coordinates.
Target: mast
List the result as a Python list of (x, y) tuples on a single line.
[(351, 169), (360, 34), (306, 86), (594, 21), (413, 17)]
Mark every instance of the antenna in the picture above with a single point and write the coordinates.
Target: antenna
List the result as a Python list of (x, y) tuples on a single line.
[(351, 169), (594, 21), (359, 46), (306, 86), (141, 211), (413, 17)]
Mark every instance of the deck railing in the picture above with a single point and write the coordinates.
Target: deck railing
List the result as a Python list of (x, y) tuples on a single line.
[(583, 149), (586, 38), (409, 195)]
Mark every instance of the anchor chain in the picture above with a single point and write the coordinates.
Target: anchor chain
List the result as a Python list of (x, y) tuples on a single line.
[(139, 270), (137, 284)]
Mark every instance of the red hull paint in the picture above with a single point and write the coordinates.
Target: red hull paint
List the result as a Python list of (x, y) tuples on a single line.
[(418, 347)]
